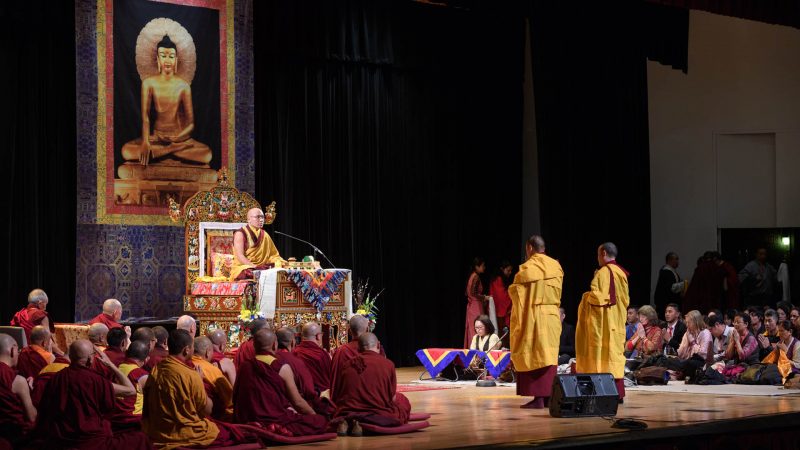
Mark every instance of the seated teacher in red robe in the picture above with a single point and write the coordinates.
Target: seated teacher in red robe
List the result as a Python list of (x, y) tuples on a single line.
[(252, 247)]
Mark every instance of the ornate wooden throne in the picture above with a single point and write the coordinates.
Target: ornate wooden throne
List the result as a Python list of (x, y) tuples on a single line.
[(210, 218)]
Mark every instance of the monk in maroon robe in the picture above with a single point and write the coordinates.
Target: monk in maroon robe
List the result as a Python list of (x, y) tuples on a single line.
[(117, 343), (266, 393), (358, 326), (36, 355), (219, 341), (76, 402), (44, 376), (160, 350), (320, 402), (246, 351), (366, 391), (317, 360), (112, 313), (127, 414), (17, 413), (33, 314)]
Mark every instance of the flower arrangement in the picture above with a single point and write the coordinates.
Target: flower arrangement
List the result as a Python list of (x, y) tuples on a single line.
[(365, 303)]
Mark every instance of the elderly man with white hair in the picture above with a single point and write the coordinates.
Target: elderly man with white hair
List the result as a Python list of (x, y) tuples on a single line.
[(112, 313), (33, 314), (187, 323)]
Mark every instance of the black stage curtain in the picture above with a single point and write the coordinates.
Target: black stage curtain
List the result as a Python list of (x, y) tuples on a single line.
[(38, 132), (390, 133), (590, 87)]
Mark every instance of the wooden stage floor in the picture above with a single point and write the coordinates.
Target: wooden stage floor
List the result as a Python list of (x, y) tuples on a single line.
[(490, 417)]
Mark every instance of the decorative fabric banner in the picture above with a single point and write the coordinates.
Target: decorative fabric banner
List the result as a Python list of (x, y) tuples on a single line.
[(466, 355), (436, 359), (497, 361), (317, 285)]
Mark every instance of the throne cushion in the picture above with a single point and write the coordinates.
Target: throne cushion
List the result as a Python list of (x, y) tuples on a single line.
[(221, 264)]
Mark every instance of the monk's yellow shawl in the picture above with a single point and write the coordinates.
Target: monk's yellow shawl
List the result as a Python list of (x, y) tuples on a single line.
[(259, 249)]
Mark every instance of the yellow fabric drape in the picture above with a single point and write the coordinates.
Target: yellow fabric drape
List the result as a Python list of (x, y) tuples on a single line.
[(263, 253), (535, 318), (126, 369), (600, 331)]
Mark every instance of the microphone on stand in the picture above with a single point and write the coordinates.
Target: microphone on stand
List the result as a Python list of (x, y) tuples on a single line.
[(316, 249)]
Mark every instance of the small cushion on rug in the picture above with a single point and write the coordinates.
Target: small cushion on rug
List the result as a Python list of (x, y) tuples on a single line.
[(407, 428)]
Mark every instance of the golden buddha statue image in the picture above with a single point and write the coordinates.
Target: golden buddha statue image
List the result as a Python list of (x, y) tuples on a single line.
[(165, 151)]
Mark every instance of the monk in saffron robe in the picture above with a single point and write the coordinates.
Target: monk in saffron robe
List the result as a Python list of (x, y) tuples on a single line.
[(303, 379), (600, 331), (176, 408), (128, 413), (34, 357), (358, 325), (366, 391), (17, 413), (317, 360), (76, 402), (35, 313), (159, 351), (536, 323), (247, 351), (266, 393), (252, 247), (117, 343), (219, 341), (216, 384)]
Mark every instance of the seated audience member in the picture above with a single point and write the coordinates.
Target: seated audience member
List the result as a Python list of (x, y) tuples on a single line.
[(696, 344), (485, 338), (319, 401), (366, 391), (675, 328), (146, 335), (789, 344), (44, 376), (566, 343), (720, 332), (219, 341), (187, 323), (358, 326), (317, 360), (631, 322), (783, 309), (97, 335), (216, 384), (35, 313), (266, 393), (714, 312), (117, 344), (159, 351), (794, 318), (128, 414), (77, 401), (176, 407), (112, 313), (647, 340), (756, 320), (768, 339), (33, 358), (729, 315), (742, 345), (17, 413), (246, 350)]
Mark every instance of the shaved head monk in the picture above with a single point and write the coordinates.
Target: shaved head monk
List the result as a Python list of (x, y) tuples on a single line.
[(216, 384), (319, 401), (266, 393), (358, 326), (187, 323), (219, 341), (366, 391), (97, 335), (246, 350), (176, 407), (253, 249), (111, 315), (146, 335), (117, 343), (317, 360), (128, 413), (76, 402), (17, 414), (159, 351), (34, 313), (34, 357)]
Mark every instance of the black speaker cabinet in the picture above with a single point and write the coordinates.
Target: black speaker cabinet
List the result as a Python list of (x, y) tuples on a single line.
[(584, 395)]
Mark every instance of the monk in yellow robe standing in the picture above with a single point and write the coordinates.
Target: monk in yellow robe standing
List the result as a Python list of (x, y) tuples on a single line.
[(600, 331), (252, 247), (536, 323)]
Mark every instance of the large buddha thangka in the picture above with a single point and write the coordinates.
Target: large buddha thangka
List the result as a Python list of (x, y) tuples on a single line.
[(164, 160)]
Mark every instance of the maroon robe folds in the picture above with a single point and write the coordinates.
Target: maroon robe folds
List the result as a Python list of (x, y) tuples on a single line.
[(106, 320), (318, 362), (13, 424), (73, 412), (260, 396), (44, 376), (340, 357), (116, 355), (123, 417), (30, 362), (217, 357), (367, 391), (156, 355), (245, 352), (305, 383), (29, 317)]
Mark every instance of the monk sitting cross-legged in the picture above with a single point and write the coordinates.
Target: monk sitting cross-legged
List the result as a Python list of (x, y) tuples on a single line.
[(219, 340), (35, 356), (358, 326), (159, 350), (117, 343), (177, 409), (366, 391), (246, 351), (303, 379), (17, 414), (217, 386), (76, 402), (128, 413), (265, 392), (316, 358)]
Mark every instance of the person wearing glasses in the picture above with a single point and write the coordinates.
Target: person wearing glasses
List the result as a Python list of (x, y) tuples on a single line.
[(253, 248)]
